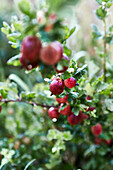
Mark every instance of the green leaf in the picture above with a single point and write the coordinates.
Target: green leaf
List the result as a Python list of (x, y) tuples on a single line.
[(60, 5), (109, 4), (14, 45), (108, 103), (104, 136), (111, 28), (70, 33), (19, 81), (62, 108), (79, 55), (62, 95), (18, 25), (90, 150), (99, 2), (30, 95), (73, 64), (5, 24), (14, 60), (66, 75), (75, 110), (26, 167), (67, 136), (99, 53), (5, 30), (98, 80), (66, 50), (73, 95), (80, 72), (54, 160), (4, 93), (63, 62), (54, 134), (109, 39), (23, 95), (101, 13), (24, 7), (96, 33)]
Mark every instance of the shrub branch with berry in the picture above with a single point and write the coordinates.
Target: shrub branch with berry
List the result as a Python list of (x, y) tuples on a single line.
[(79, 102)]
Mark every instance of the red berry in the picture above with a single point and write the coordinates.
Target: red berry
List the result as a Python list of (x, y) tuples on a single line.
[(53, 113), (108, 142), (66, 111), (62, 100), (0, 156), (88, 97), (30, 50), (28, 65), (82, 116), (57, 86), (96, 129), (0, 97), (70, 82), (52, 53), (73, 119), (98, 141), (0, 108), (64, 67)]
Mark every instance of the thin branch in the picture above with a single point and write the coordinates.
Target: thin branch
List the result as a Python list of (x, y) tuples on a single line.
[(105, 51), (27, 102), (17, 67)]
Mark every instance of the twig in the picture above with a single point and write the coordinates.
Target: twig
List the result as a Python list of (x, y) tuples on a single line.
[(105, 52), (27, 102)]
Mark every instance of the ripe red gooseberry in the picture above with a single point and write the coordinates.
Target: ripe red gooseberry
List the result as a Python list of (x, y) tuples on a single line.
[(73, 119), (62, 100), (30, 50), (53, 113), (96, 129), (82, 116), (57, 86), (51, 53), (70, 82)]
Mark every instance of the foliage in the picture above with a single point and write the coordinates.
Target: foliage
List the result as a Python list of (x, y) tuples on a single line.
[(28, 138)]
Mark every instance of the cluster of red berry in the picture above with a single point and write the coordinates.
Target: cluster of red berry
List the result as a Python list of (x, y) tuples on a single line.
[(32, 51), (72, 119), (57, 86)]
